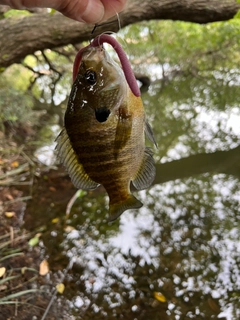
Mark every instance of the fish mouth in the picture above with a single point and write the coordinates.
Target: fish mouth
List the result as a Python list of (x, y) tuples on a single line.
[(102, 114)]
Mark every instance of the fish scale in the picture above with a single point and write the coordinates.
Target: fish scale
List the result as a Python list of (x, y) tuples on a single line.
[(103, 138)]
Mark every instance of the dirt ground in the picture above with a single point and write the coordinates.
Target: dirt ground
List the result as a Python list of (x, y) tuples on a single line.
[(24, 293)]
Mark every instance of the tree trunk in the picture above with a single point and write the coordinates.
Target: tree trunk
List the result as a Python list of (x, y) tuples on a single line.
[(23, 36)]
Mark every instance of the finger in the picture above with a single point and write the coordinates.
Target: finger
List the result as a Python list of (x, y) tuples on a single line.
[(112, 7), (90, 11)]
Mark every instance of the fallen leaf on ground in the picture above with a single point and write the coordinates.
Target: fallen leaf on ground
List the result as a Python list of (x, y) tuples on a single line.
[(213, 305), (33, 241), (60, 288), (159, 296), (15, 164), (3, 287), (2, 271), (23, 269), (43, 268), (55, 220), (9, 214), (69, 229), (9, 196)]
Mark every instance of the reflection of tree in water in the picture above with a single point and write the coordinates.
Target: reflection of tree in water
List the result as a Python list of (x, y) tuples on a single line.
[(185, 244)]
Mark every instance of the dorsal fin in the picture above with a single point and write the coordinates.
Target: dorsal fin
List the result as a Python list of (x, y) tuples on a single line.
[(69, 159), (146, 172)]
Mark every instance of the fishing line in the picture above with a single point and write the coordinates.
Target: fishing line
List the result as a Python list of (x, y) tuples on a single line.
[(107, 23), (126, 66), (100, 25), (114, 44)]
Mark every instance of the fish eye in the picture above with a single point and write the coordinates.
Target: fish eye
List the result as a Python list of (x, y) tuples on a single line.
[(91, 77)]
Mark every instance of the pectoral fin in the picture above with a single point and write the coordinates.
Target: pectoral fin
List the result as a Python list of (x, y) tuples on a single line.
[(146, 172), (69, 159)]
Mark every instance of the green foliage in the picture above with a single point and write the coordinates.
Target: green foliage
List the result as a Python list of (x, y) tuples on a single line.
[(15, 105), (237, 15), (16, 13), (193, 68), (184, 46)]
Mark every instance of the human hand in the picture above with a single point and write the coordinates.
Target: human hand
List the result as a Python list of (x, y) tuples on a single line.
[(90, 11)]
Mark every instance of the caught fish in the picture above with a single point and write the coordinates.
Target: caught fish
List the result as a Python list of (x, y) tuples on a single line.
[(103, 141)]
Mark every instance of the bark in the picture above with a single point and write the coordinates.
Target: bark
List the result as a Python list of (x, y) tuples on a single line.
[(227, 162), (23, 36)]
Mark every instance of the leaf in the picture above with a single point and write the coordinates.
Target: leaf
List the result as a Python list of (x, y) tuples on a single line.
[(14, 13), (214, 305), (43, 268), (23, 269), (237, 15), (2, 271), (34, 241), (81, 193), (60, 287), (55, 220), (159, 296), (3, 287), (52, 11), (69, 229), (9, 214), (15, 164)]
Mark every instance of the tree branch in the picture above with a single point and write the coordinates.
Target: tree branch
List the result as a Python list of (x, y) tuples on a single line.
[(227, 162), (25, 35)]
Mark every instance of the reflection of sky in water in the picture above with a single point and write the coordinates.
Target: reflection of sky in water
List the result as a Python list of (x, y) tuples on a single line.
[(113, 251), (46, 154), (105, 259), (206, 126), (206, 129), (129, 236), (88, 251), (230, 122)]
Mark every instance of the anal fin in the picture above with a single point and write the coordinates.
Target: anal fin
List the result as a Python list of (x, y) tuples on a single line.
[(70, 160)]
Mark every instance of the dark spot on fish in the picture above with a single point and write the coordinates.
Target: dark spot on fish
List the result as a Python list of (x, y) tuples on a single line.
[(102, 114), (91, 77)]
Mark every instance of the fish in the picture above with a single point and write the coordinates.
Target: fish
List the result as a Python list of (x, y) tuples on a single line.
[(103, 138)]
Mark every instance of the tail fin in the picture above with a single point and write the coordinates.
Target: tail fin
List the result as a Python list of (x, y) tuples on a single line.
[(115, 210)]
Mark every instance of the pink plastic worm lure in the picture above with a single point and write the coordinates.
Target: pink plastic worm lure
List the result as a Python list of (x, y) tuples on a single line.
[(127, 69)]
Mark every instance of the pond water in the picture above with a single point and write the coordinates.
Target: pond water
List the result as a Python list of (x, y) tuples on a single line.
[(178, 257)]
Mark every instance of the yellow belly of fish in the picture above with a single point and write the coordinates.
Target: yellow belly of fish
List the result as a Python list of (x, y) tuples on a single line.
[(96, 154)]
